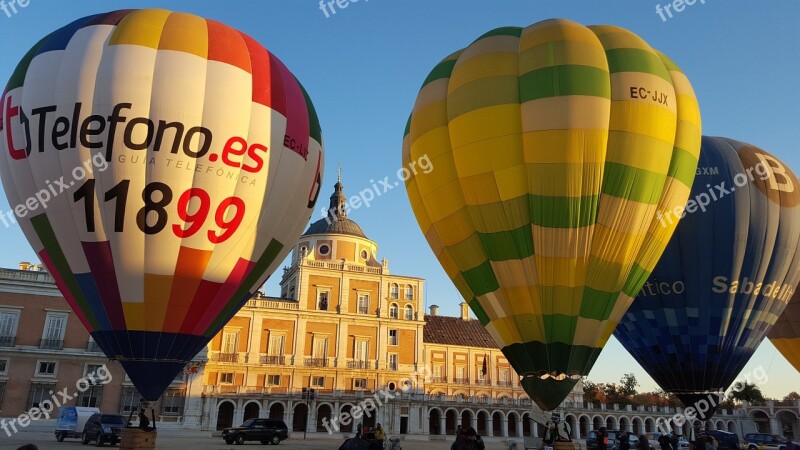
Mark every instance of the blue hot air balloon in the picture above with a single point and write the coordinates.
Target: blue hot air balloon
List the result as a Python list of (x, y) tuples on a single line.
[(726, 275)]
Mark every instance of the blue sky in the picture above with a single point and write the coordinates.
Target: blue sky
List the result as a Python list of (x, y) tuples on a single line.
[(363, 67)]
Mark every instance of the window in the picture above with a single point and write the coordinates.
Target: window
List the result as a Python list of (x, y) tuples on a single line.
[(409, 292), (461, 374), (229, 342), (363, 303), (324, 249), (46, 369), (129, 400), (393, 337), (409, 312), (2, 392), (172, 402), (359, 383), (8, 327), (39, 392), (91, 371), (361, 353), (320, 348), (394, 291), (53, 335), (318, 381), (438, 371), (322, 301), (394, 311), (4, 366), (273, 380), (90, 398), (226, 378), (504, 377), (364, 255), (392, 361), (275, 349)]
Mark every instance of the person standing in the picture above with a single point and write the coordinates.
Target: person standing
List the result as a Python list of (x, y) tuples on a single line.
[(602, 439), (624, 440), (644, 444), (665, 442)]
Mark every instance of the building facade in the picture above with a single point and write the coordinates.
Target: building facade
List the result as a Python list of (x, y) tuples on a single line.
[(346, 342)]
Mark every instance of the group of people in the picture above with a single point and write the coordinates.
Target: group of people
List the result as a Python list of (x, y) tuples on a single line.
[(467, 439)]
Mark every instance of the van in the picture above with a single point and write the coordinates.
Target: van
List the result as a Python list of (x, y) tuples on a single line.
[(71, 419), (725, 440)]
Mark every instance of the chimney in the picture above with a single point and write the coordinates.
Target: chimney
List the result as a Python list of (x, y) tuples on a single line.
[(434, 310), (24, 265), (464, 311)]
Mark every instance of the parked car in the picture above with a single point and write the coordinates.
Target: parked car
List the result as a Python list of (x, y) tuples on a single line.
[(70, 421), (102, 428), (266, 431), (755, 441), (725, 440)]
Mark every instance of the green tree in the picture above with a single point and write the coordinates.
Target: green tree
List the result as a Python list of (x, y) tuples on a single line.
[(791, 396), (628, 385), (747, 392)]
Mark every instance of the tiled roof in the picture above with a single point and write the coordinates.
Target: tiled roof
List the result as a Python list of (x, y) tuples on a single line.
[(455, 331)]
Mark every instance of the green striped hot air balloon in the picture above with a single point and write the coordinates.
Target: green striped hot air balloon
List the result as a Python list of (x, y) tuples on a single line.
[(555, 149)]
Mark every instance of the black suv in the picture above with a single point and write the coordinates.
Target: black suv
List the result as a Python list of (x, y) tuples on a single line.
[(725, 439), (267, 431), (754, 441), (102, 428)]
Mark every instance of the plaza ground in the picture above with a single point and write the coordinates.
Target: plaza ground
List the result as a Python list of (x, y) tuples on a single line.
[(202, 440)]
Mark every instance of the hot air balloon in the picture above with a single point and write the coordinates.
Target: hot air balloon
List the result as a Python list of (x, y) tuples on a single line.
[(159, 163), (725, 277), (785, 335), (553, 147)]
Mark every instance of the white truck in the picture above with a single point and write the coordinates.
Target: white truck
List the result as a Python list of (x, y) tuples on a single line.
[(71, 420)]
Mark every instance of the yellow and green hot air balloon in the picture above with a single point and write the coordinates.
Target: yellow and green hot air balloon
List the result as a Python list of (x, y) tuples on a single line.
[(557, 151)]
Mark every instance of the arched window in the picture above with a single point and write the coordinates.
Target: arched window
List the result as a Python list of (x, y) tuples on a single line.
[(394, 291), (394, 311), (409, 312), (409, 292)]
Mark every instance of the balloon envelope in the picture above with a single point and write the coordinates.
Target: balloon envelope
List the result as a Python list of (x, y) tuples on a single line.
[(551, 149), (785, 335), (159, 163), (725, 277)]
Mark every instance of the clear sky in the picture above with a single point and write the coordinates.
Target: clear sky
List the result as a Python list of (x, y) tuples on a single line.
[(363, 66)]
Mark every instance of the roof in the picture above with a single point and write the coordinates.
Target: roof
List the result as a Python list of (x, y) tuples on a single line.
[(455, 331), (339, 225)]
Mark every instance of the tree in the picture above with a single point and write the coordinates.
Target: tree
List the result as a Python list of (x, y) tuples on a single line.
[(628, 385), (590, 390), (792, 396), (747, 392)]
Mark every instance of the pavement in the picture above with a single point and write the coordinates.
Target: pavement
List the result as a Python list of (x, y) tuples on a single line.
[(202, 440)]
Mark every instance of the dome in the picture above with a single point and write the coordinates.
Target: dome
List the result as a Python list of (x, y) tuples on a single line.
[(336, 221), (342, 225)]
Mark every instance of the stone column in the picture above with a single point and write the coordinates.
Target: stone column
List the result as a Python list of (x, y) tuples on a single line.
[(443, 424), (238, 415), (775, 426), (193, 404), (489, 426), (504, 429), (520, 432)]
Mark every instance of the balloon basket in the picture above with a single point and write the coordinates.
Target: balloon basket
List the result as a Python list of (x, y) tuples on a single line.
[(138, 439)]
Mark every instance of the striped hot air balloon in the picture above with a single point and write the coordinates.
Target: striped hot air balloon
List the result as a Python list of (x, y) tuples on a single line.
[(785, 335), (172, 159), (725, 277), (553, 147)]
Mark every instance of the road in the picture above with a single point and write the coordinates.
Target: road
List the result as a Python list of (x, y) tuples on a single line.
[(203, 441)]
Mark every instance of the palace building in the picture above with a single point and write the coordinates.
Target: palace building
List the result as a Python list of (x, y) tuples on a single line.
[(346, 342)]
